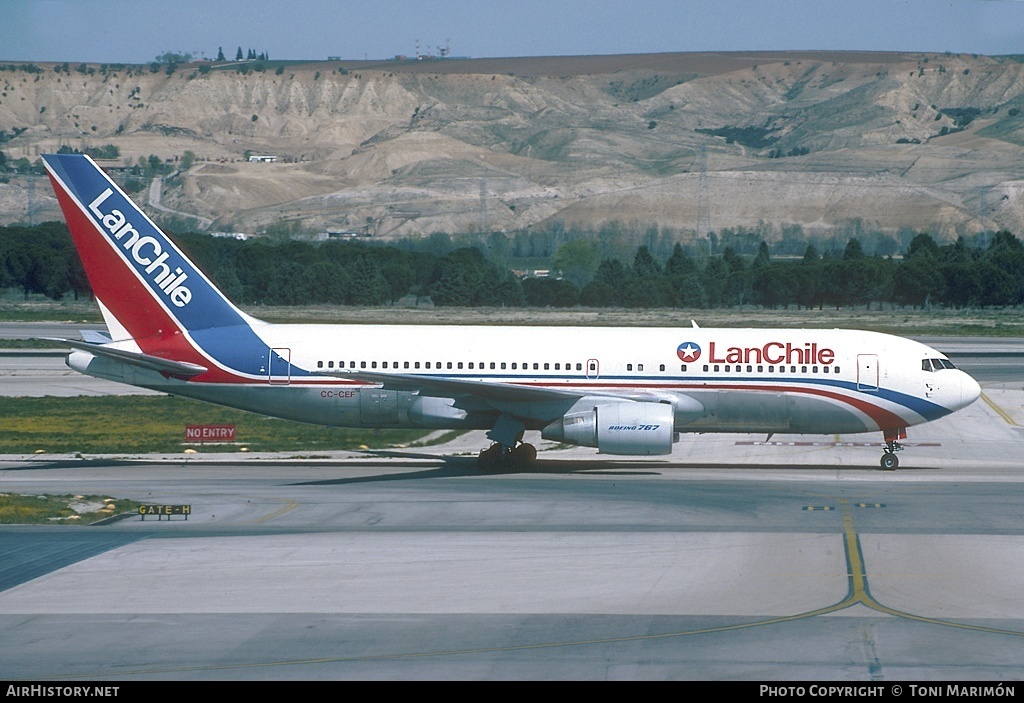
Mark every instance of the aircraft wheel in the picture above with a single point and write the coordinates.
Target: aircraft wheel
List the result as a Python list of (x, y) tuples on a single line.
[(490, 458), (889, 462), (524, 455)]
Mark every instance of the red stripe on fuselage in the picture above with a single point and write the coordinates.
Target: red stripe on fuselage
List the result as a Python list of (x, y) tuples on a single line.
[(885, 419)]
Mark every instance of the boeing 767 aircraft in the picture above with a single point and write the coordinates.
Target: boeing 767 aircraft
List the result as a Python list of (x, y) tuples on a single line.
[(623, 391)]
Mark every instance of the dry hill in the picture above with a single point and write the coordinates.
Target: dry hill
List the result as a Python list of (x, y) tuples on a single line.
[(394, 148)]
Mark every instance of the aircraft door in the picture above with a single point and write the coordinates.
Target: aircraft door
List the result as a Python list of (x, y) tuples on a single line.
[(279, 370), (867, 372), (593, 368)]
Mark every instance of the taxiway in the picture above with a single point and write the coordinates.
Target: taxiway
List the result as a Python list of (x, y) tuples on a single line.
[(738, 557)]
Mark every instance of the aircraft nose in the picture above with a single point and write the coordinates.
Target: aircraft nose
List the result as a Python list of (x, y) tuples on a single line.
[(970, 391)]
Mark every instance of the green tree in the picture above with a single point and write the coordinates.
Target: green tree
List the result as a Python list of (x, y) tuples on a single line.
[(598, 294), (922, 244), (1006, 253), (577, 261), (761, 278), (690, 292), (499, 249), (853, 250), (679, 263), (737, 282), (171, 57), (503, 290), (997, 286), (648, 286), (715, 278), (917, 282), (644, 264), (400, 276), (809, 274), (369, 287), (774, 284), (465, 277), (550, 292)]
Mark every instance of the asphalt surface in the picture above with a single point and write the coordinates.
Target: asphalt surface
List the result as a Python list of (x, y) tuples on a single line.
[(789, 559), (732, 559)]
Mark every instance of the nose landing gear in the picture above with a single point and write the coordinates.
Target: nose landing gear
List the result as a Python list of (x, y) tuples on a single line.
[(889, 461)]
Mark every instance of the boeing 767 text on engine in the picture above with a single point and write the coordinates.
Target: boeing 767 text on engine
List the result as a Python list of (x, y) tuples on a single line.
[(171, 330)]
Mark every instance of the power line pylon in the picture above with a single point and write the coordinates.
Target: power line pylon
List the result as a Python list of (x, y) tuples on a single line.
[(703, 201)]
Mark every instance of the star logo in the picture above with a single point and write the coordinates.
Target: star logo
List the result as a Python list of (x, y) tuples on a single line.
[(688, 352)]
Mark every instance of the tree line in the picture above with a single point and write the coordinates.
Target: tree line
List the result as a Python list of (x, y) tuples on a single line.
[(279, 271)]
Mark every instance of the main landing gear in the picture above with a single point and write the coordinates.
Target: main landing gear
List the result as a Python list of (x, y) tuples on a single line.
[(508, 450), (501, 456), (889, 461)]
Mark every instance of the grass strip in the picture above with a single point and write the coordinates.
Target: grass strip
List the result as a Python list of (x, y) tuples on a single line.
[(18, 509), (156, 424)]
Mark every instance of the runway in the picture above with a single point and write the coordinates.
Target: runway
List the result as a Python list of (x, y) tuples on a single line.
[(786, 561), (741, 558)]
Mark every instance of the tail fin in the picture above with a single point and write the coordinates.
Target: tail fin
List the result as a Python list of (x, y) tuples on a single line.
[(146, 286)]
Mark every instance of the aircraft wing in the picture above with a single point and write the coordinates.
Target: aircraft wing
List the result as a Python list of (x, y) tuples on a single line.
[(445, 387), (95, 337), (145, 361)]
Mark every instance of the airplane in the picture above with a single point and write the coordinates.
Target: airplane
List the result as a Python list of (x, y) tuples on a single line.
[(623, 391)]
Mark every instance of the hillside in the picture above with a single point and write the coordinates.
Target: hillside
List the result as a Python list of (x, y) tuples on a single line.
[(825, 141)]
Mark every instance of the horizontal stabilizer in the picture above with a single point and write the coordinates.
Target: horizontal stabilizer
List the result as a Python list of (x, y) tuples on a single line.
[(145, 361)]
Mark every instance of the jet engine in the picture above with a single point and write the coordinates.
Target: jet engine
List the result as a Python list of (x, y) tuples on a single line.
[(618, 428)]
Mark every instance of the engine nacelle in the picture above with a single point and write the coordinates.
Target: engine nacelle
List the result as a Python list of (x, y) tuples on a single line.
[(618, 428)]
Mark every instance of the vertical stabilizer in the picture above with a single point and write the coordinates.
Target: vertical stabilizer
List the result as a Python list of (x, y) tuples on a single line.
[(139, 275)]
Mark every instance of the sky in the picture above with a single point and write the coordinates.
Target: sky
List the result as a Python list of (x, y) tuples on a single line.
[(136, 31)]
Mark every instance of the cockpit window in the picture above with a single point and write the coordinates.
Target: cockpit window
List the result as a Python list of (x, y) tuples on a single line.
[(936, 364)]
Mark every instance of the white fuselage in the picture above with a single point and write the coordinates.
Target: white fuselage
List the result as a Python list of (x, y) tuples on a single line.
[(744, 380)]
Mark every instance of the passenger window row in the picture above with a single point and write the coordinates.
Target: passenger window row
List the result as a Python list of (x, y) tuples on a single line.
[(557, 366), (454, 365), (772, 369)]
